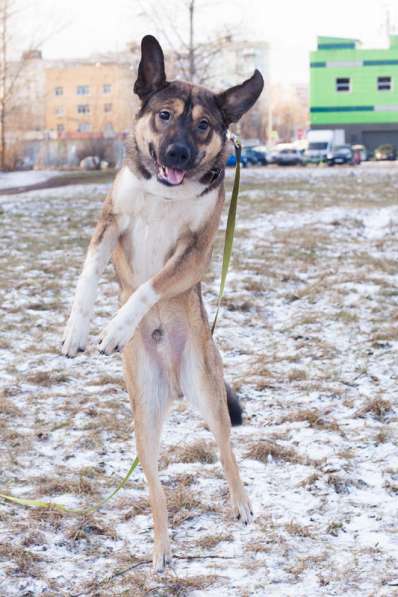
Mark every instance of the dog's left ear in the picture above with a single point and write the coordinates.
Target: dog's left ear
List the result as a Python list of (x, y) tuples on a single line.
[(151, 73), (234, 102)]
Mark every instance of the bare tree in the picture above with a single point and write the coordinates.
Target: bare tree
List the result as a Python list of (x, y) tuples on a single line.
[(19, 22), (192, 58)]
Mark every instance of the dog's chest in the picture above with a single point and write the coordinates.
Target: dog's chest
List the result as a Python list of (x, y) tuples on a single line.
[(152, 225)]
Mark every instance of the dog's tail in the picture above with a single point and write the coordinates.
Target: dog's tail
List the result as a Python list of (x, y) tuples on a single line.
[(234, 408)]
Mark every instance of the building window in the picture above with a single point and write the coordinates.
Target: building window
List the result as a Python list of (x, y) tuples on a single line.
[(60, 129), (83, 109), (109, 130), (106, 88), (58, 91), (384, 84), (107, 107), (343, 84), (83, 90), (59, 110), (84, 127)]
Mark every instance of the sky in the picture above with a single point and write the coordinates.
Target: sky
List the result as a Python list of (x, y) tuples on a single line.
[(83, 27)]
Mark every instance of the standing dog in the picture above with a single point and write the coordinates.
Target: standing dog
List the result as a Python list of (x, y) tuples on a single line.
[(158, 224)]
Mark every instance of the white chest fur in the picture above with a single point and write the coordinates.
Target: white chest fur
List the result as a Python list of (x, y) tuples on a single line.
[(152, 218)]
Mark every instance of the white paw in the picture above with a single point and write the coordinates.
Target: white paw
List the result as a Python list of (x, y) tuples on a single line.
[(116, 335), (75, 335), (242, 509), (161, 557)]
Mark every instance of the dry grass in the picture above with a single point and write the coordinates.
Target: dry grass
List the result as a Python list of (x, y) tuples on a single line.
[(210, 541), (263, 450), (199, 451), (183, 504), (20, 560), (297, 375), (378, 407), (294, 528), (314, 417)]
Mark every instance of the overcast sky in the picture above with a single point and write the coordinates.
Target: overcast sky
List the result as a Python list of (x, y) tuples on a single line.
[(290, 26)]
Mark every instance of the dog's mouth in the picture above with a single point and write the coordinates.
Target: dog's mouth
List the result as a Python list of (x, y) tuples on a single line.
[(170, 176)]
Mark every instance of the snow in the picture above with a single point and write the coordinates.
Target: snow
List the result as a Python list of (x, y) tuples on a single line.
[(309, 336), (9, 180)]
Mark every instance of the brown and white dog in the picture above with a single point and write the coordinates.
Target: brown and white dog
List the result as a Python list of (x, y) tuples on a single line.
[(158, 224)]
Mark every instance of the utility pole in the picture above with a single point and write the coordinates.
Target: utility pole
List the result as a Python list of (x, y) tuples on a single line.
[(4, 15), (191, 50)]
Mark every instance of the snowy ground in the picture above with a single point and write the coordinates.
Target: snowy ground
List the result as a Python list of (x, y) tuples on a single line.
[(309, 334), (10, 180)]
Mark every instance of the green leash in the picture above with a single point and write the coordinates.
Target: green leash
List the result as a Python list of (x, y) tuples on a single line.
[(229, 238), (65, 509), (230, 230)]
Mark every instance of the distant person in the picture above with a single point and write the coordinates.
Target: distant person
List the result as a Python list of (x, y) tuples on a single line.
[(356, 158)]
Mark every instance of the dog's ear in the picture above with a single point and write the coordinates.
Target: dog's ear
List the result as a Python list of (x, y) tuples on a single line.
[(234, 102), (151, 73)]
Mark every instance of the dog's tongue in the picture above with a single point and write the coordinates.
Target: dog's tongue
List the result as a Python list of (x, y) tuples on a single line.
[(174, 176)]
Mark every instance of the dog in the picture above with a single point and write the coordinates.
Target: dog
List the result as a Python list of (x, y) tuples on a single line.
[(159, 224)]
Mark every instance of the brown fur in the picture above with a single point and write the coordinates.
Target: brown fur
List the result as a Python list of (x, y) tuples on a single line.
[(162, 326)]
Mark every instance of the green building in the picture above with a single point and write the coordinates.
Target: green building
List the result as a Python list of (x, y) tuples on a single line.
[(356, 90)]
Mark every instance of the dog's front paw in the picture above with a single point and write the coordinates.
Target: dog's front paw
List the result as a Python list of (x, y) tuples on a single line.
[(116, 335), (161, 557), (75, 335), (242, 509)]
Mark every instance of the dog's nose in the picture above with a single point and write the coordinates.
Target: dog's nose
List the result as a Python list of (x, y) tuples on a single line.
[(177, 155)]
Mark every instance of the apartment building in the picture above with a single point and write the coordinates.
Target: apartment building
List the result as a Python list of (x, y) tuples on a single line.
[(88, 98)]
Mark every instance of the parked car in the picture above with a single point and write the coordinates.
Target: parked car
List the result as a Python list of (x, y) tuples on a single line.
[(289, 157), (254, 157), (231, 160), (385, 152), (341, 154)]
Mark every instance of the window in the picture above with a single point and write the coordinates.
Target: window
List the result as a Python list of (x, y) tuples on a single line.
[(83, 109), (83, 90), (106, 88), (343, 84), (109, 130), (60, 129), (58, 91), (107, 107), (84, 127), (59, 110), (384, 84)]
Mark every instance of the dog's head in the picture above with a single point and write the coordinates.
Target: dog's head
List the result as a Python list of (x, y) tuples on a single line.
[(180, 129)]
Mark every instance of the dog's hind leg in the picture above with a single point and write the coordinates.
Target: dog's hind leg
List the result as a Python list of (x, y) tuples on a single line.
[(150, 394), (202, 382)]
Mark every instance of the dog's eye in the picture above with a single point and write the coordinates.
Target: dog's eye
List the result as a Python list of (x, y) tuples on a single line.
[(203, 125), (164, 115)]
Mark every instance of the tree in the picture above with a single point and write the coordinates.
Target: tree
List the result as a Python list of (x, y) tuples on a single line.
[(192, 58), (17, 21)]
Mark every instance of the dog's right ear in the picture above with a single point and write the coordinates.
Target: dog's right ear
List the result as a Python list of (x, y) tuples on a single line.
[(151, 73)]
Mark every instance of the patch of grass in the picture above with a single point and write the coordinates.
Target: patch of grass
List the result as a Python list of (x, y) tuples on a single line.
[(183, 504), (210, 541), (59, 486), (313, 417), (378, 407), (310, 481), (46, 378), (334, 528), (138, 506), (263, 450), (22, 560), (199, 451), (89, 526), (297, 375), (294, 528)]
